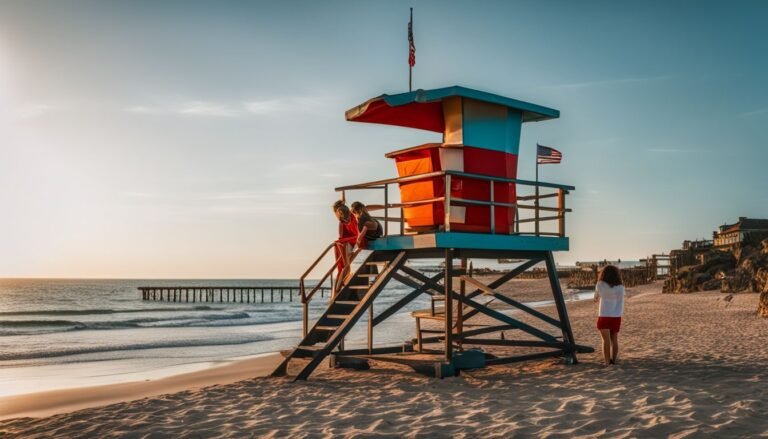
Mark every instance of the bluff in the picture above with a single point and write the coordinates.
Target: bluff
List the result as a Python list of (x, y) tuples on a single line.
[(743, 269)]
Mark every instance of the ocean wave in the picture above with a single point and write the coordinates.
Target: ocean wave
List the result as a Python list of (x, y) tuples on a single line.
[(32, 327), (85, 312), (54, 351)]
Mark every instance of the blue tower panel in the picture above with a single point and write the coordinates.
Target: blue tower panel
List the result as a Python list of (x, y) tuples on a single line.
[(491, 126)]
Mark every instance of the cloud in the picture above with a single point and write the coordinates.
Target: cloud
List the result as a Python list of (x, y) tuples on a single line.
[(604, 82), (262, 107), (669, 150), (199, 108), (34, 110), (299, 191), (754, 113), (140, 109), (283, 105)]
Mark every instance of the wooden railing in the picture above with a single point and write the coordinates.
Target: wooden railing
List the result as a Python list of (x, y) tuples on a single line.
[(542, 191)]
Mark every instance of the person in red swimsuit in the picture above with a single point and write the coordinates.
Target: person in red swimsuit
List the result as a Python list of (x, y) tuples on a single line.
[(347, 235)]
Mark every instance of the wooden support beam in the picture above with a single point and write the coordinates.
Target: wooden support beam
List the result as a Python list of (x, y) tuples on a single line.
[(562, 311), (507, 360), (448, 284), (512, 302), (519, 343), (418, 290), (508, 320)]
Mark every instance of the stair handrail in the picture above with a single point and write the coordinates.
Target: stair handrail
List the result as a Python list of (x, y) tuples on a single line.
[(306, 298), (309, 270)]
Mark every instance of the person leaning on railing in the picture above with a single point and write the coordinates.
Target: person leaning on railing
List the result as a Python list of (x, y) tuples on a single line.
[(347, 235), (368, 227)]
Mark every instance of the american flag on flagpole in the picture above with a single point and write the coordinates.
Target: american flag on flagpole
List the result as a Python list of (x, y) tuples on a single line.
[(411, 45), (545, 154)]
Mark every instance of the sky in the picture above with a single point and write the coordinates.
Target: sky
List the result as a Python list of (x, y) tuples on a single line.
[(191, 139)]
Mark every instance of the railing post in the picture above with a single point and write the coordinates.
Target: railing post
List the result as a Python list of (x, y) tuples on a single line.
[(344, 197), (561, 211), (305, 318), (536, 210), (493, 211), (402, 221), (386, 209), (447, 202)]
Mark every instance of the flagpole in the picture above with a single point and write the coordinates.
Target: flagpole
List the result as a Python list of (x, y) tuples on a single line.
[(410, 67), (536, 203)]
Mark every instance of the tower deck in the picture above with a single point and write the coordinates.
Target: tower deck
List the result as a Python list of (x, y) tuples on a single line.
[(475, 241)]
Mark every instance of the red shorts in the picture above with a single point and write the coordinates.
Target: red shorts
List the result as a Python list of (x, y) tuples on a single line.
[(612, 323)]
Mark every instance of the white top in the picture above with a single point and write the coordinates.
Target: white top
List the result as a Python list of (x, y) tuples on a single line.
[(611, 299)]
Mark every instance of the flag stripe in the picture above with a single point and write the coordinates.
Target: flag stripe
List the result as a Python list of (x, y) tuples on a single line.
[(411, 45), (547, 155)]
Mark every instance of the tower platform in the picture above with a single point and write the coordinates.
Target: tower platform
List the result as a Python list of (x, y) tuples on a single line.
[(475, 241)]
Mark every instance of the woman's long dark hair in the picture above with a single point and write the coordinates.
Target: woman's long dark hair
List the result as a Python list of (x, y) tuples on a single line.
[(611, 275), (342, 211)]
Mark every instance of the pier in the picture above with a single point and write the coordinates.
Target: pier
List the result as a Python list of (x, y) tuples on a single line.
[(224, 294)]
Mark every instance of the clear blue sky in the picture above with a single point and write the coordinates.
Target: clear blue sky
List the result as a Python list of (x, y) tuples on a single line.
[(203, 139)]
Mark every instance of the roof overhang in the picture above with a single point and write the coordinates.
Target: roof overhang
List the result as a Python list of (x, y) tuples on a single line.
[(423, 109)]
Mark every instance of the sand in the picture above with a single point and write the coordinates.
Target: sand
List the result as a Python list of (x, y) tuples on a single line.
[(68, 400), (691, 366)]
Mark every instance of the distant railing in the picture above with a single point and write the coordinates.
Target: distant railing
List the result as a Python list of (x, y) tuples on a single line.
[(559, 193)]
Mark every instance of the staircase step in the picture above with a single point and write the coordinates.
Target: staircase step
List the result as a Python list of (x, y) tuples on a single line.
[(306, 351), (359, 287), (326, 328), (330, 335), (367, 274), (379, 263)]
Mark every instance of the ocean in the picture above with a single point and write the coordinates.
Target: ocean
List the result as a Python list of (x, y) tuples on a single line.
[(100, 331), (64, 333)]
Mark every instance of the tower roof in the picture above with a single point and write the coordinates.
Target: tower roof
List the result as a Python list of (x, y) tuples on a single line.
[(423, 109)]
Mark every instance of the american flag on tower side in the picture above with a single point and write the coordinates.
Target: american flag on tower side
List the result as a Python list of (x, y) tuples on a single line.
[(411, 45), (545, 154)]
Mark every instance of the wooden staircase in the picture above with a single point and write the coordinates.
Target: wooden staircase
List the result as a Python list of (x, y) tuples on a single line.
[(343, 312)]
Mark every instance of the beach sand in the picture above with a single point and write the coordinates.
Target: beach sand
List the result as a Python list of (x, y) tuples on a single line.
[(692, 365)]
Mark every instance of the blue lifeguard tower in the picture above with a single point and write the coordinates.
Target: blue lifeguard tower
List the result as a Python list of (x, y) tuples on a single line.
[(460, 201)]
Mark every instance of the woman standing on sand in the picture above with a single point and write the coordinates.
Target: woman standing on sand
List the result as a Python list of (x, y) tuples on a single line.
[(609, 291)]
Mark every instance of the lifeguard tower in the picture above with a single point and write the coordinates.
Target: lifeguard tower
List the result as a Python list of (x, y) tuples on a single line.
[(460, 201)]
